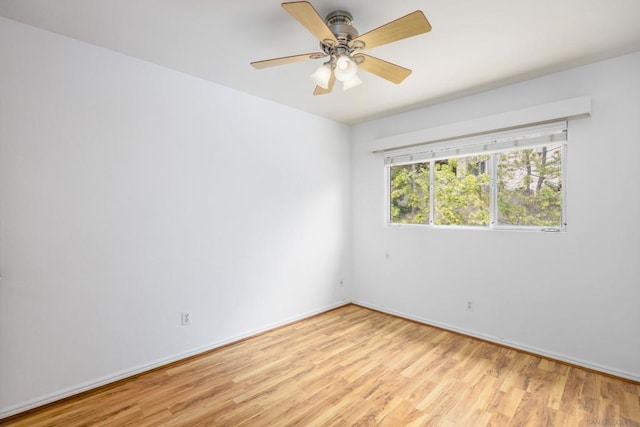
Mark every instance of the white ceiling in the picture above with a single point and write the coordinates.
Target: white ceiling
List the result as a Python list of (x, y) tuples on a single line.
[(474, 45)]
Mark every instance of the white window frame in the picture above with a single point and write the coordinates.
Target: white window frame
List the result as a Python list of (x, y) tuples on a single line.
[(530, 137)]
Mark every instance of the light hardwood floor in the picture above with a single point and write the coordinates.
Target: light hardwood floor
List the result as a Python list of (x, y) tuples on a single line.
[(354, 366)]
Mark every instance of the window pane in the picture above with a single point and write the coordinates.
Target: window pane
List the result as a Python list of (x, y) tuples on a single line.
[(410, 194), (530, 187), (462, 191)]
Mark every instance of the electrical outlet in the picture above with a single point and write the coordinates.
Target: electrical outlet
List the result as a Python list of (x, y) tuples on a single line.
[(186, 318), (342, 283), (470, 305)]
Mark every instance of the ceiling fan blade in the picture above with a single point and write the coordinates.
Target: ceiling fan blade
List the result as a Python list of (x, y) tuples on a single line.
[(304, 12), (321, 91), (388, 71), (287, 60), (408, 26)]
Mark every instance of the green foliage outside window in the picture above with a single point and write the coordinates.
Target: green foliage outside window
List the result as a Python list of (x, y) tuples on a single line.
[(410, 185), (530, 187), (461, 192), (529, 190)]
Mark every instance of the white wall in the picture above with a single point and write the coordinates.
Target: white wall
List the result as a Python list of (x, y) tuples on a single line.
[(572, 295), (130, 193)]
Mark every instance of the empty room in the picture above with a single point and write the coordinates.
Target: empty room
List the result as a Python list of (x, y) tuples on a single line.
[(337, 212)]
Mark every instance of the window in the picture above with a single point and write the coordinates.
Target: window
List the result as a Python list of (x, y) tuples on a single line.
[(530, 187), (461, 195), (410, 193), (512, 180)]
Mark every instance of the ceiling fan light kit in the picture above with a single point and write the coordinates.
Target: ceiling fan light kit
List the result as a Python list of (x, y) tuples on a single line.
[(340, 41), (352, 82), (322, 75), (346, 68)]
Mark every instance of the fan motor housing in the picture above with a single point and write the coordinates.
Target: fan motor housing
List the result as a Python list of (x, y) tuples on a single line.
[(339, 22)]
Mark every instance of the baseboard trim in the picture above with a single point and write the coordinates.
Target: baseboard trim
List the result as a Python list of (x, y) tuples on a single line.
[(106, 381), (605, 370), (96, 385)]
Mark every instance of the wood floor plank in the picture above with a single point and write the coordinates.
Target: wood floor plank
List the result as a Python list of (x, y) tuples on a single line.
[(508, 402), (354, 366)]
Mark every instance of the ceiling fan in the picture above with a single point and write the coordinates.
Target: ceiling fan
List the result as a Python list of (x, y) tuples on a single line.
[(343, 46)]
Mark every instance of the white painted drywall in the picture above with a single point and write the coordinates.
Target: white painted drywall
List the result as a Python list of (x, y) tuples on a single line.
[(573, 295), (130, 193)]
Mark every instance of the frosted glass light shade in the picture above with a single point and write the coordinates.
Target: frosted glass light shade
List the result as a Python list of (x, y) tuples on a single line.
[(352, 82), (322, 75), (346, 69)]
